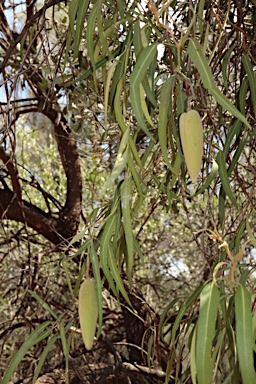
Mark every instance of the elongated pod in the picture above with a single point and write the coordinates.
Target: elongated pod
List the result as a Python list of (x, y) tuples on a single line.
[(88, 311), (191, 134)]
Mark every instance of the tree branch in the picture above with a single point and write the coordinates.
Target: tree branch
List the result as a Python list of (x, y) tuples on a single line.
[(33, 216)]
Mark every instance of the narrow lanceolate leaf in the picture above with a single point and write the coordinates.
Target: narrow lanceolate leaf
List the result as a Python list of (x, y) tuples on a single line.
[(90, 35), (193, 356), (209, 301), (224, 177), (209, 179), (226, 104), (244, 335), (117, 275), (127, 223), (197, 56), (250, 233), (120, 162), (98, 284), (137, 76), (88, 311), (43, 303), (31, 340), (81, 13), (164, 111), (252, 78), (43, 356), (104, 254)]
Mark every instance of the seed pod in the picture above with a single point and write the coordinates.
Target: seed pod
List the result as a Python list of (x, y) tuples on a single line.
[(191, 134), (88, 311)]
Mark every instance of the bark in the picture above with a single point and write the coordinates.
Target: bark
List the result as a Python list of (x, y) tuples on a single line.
[(62, 226)]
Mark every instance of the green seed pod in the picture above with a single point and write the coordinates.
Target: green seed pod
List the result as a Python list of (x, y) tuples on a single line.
[(88, 311), (191, 134)]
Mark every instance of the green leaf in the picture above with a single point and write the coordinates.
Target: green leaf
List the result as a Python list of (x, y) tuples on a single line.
[(201, 19), (209, 302), (80, 18), (196, 54), (90, 35), (252, 78), (165, 103), (72, 12), (187, 305), (237, 154), (144, 106), (137, 42), (67, 273), (242, 96), (225, 65), (126, 196), (193, 356), (44, 355), (209, 179), (250, 233), (199, 60), (43, 304), (104, 252), (120, 162), (184, 309), (239, 234), (121, 121), (137, 76), (65, 349), (232, 135), (121, 67), (99, 64), (98, 285), (224, 177), (226, 104), (244, 335), (31, 340), (117, 275)]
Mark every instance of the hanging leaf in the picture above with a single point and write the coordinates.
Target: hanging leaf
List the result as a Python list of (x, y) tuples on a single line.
[(224, 177), (209, 302), (164, 110), (30, 341), (251, 77), (137, 76), (198, 58), (127, 224), (120, 162), (244, 336)]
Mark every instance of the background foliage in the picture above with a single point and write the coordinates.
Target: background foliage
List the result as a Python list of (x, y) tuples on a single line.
[(93, 182)]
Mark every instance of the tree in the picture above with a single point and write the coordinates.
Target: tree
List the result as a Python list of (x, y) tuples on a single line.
[(94, 184)]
